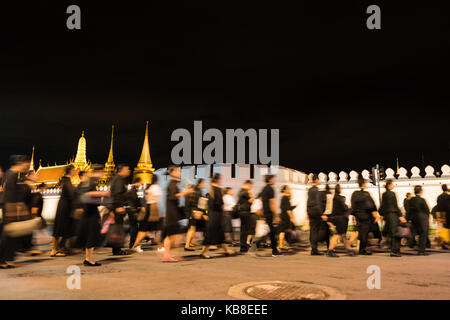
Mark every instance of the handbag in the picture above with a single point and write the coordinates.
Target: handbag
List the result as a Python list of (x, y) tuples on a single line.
[(116, 236), (403, 231), (23, 226), (202, 203), (444, 235), (262, 229), (197, 215)]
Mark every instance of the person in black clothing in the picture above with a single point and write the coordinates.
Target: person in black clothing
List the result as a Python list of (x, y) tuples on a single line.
[(339, 218), (134, 204), (248, 221), (89, 228), (215, 234), (443, 207), (287, 217), (195, 215), (64, 227), (15, 208), (172, 230), (315, 209), (1, 194), (270, 213), (118, 190), (420, 218), (392, 215), (366, 214)]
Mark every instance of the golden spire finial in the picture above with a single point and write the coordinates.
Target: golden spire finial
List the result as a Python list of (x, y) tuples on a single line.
[(110, 156), (82, 133), (397, 165), (32, 161), (144, 169)]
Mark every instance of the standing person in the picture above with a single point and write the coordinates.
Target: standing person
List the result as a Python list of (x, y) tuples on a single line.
[(150, 223), (197, 221), (229, 204), (315, 211), (248, 221), (172, 230), (270, 213), (392, 215), (408, 217), (443, 206), (118, 189), (64, 227), (89, 228), (339, 218), (15, 208), (214, 234), (366, 214), (287, 217), (420, 218), (133, 207)]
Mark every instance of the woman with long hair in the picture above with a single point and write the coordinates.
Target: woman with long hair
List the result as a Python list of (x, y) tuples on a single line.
[(150, 223), (214, 227), (339, 219), (195, 214), (63, 227)]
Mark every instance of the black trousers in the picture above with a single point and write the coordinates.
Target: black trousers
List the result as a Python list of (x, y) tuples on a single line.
[(318, 232), (364, 227), (392, 231), (421, 225), (246, 221), (273, 233)]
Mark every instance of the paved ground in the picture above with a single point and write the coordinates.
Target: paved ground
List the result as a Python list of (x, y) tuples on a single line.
[(144, 276)]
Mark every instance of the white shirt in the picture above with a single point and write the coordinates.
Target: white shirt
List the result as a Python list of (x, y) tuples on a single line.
[(228, 202), (257, 205), (153, 193)]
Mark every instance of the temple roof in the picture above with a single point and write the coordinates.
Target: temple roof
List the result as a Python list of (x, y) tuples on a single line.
[(50, 174)]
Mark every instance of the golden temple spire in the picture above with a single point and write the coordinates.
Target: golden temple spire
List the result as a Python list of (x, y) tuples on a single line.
[(110, 156), (32, 161), (80, 159), (144, 169)]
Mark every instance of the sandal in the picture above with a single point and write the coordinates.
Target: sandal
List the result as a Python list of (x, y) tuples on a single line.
[(58, 254), (205, 257), (170, 260)]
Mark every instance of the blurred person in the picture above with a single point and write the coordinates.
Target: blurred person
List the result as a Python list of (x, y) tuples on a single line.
[(315, 211), (214, 233), (134, 205), (393, 216), (366, 214), (443, 207), (270, 213), (1, 192), (420, 218), (229, 204), (196, 216), (172, 229), (151, 221), (90, 226), (248, 221), (64, 226), (15, 207), (287, 217), (339, 219), (118, 190)]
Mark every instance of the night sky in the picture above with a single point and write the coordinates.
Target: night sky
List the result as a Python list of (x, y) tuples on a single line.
[(344, 97)]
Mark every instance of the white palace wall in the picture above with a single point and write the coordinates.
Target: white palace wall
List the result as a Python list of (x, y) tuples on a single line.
[(298, 181)]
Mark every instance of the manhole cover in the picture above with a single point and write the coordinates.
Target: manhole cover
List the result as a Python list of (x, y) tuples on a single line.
[(283, 290)]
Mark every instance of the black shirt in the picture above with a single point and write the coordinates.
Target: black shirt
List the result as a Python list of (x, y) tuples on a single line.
[(244, 201), (389, 204), (363, 205), (418, 206), (118, 192), (314, 203), (267, 194), (13, 192)]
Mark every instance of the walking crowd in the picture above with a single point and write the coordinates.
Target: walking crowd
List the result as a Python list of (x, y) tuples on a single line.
[(87, 218)]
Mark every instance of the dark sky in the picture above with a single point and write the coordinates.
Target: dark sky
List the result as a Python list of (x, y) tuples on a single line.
[(344, 97)]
